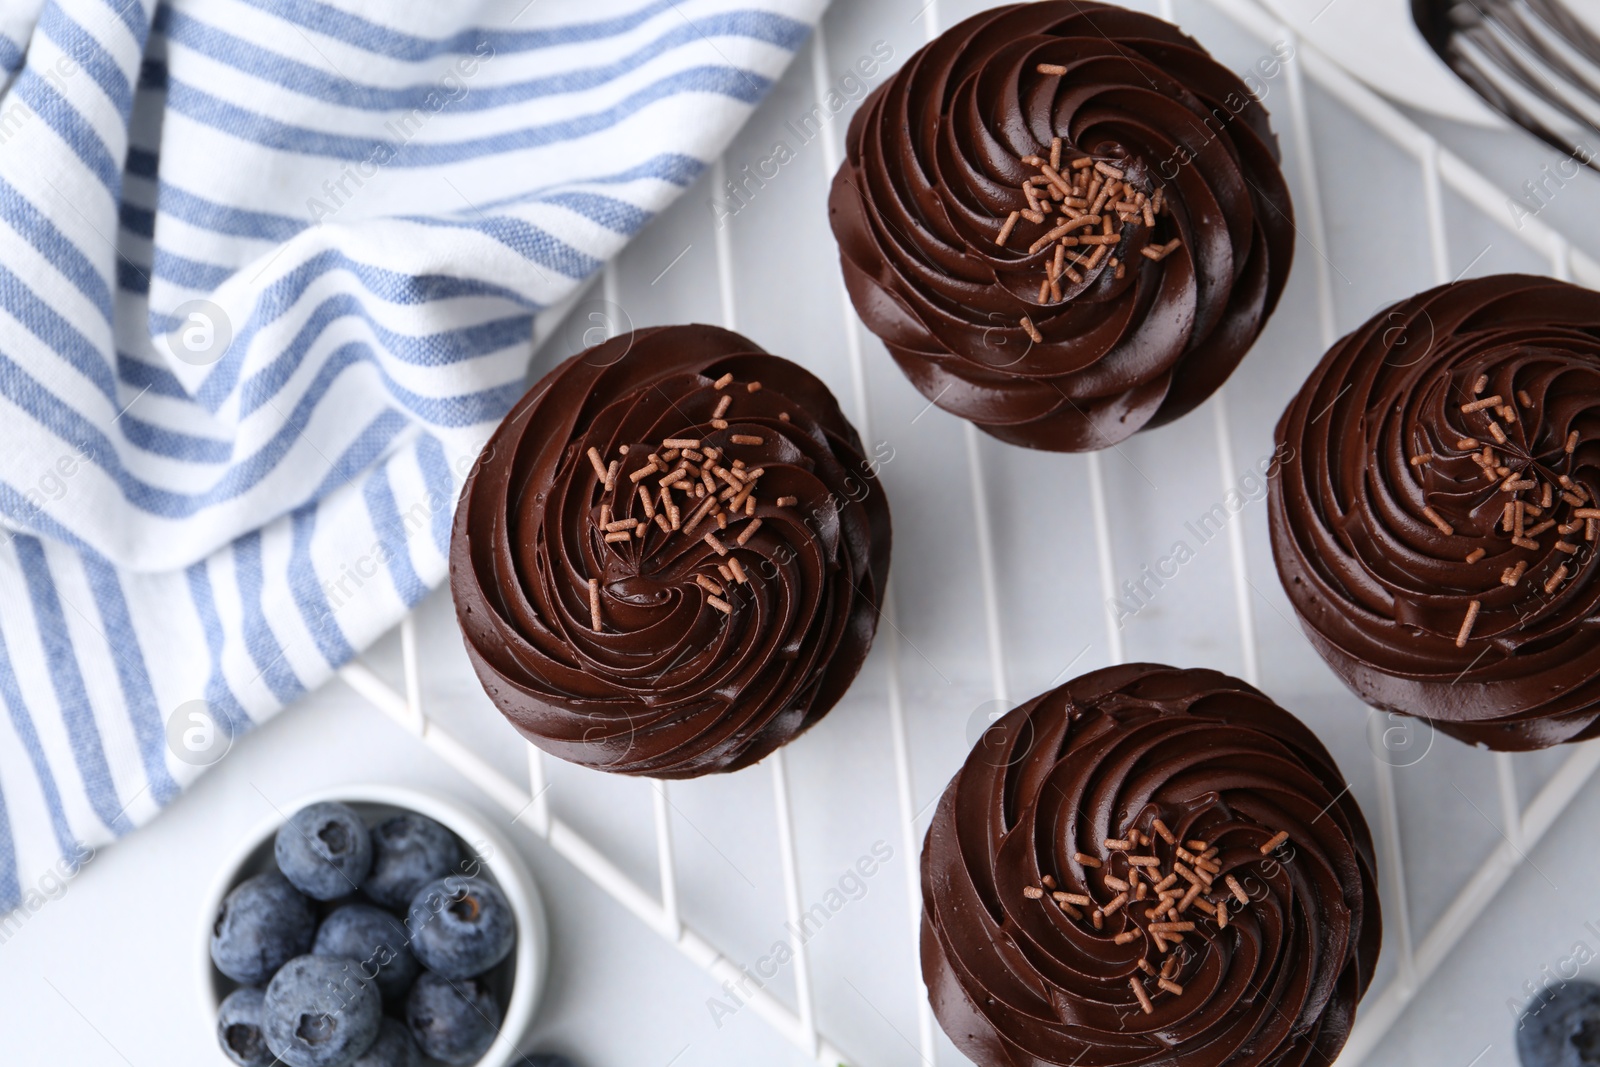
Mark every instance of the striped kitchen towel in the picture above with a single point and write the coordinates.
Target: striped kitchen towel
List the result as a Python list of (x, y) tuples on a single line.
[(269, 271)]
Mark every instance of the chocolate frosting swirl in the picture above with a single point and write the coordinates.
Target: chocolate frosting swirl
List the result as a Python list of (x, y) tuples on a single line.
[(1053, 801), (1398, 421), (936, 166), (697, 641)]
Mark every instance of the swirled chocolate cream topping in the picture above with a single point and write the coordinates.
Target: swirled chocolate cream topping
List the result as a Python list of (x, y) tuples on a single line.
[(1148, 866), (670, 557), (1437, 531), (1065, 221)]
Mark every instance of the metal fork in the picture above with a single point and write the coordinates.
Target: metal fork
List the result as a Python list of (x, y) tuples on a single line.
[(1534, 61)]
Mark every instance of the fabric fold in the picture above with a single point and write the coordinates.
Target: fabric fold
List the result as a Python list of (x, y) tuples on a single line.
[(268, 277)]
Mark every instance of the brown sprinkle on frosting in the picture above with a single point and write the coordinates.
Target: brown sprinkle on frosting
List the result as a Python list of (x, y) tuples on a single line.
[(1555, 579), (1005, 231), (1143, 997), (1466, 623)]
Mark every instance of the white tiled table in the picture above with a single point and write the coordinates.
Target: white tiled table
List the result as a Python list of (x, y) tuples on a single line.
[(107, 974)]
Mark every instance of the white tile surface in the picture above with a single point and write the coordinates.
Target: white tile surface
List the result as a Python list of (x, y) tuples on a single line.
[(105, 975)]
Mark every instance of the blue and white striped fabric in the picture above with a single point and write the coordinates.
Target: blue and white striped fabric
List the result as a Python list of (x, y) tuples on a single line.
[(268, 275)]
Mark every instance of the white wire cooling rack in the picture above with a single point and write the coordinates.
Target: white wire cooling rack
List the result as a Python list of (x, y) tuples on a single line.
[(977, 615)]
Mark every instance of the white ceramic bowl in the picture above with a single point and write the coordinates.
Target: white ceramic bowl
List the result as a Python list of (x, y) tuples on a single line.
[(518, 981), (1379, 43)]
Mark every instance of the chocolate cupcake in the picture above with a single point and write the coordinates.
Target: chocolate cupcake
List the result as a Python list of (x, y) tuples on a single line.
[(670, 557), (1148, 865), (1065, 221), (1436, 533)]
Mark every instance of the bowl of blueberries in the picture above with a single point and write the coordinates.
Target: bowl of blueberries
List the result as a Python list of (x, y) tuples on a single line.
[(374, 927)]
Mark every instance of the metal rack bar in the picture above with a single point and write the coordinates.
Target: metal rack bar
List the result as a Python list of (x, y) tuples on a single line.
[(1236, 554), (413, 673), (724, 245), (538, 788), (1106, 556), (1393, 867), (1433, 207), (664, 855), (792, 905), (1561, 259), (577, 850), (986, 564), (888, 633)]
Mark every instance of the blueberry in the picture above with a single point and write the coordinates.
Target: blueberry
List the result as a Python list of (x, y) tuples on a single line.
[(461, 926), (1561, 1028), (453, 1021), (262, 924), (319, 1012), (377, 940), (239, 1028), (408, 852), (324, 850), (394, 1048)]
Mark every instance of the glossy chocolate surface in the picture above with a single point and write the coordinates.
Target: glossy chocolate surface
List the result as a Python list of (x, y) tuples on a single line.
[(710, 635), (1383, 588), (935, 169), (1272, 963)]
